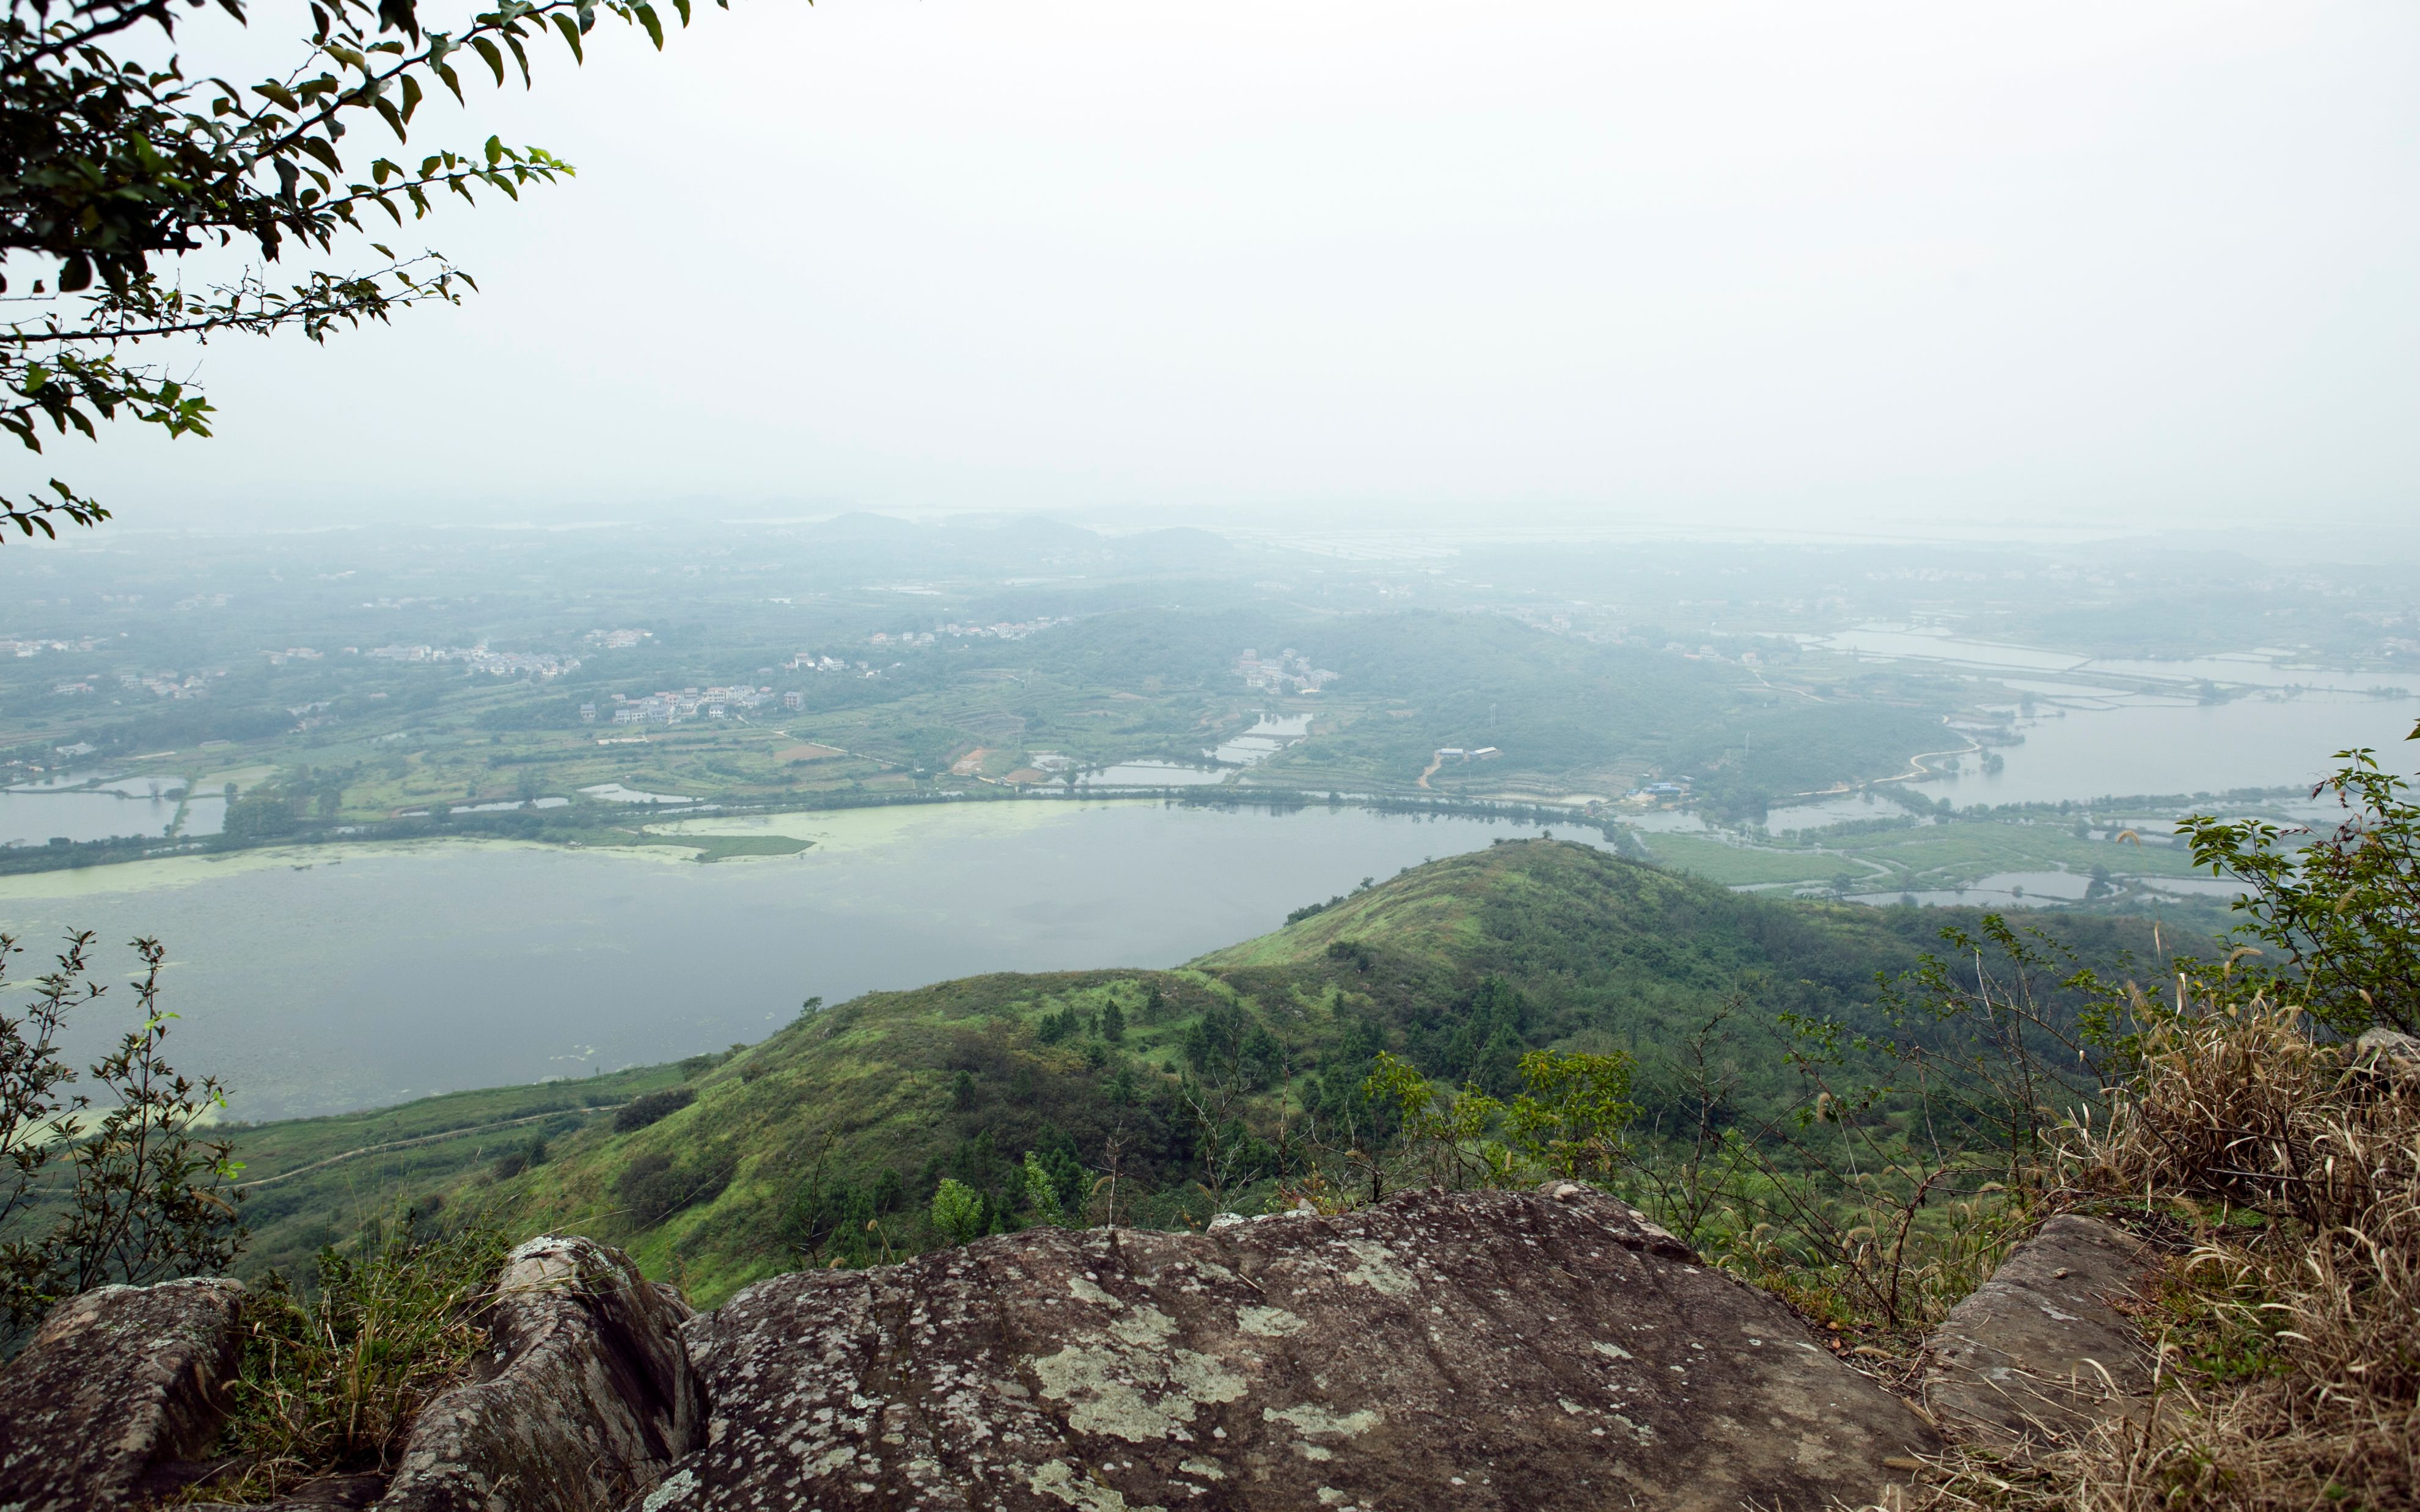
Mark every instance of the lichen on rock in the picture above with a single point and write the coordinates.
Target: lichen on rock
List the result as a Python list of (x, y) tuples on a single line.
[(1479, 1349)]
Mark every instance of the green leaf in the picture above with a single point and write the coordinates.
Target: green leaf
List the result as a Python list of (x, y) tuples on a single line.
[(682, 5), (393, 117), (570, 30), (495, 60), (521, 56), (445, 72), (320, 149), (495, 151), (655, 28), (410, 96)]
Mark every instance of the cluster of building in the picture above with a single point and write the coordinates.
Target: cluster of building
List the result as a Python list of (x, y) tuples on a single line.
[(1649, 795), (807, 661), (495, 663), (35, 648), (279, 658), (670, 708), (169, 685), (1288, 671), (1002, 630), (1477, 753), (616, 639)]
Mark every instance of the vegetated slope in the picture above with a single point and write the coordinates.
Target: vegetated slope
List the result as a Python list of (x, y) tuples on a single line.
[(312, 1182), (825, 1142)]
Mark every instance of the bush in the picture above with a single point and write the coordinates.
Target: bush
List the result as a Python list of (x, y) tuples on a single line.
[(957, 1212), (651, 1107), (513, 1162), (330, 1385), (144, 1199), (654, 1187)]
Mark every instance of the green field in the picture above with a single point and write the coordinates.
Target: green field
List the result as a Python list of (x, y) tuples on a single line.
[(1943, 856)]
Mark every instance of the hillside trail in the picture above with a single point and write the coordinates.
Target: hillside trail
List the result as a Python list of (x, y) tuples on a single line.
[(1434, 761), (419, 1139)]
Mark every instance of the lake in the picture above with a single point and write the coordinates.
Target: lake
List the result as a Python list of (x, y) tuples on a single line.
[(2262, 740), (2246, 669), (331, 978)]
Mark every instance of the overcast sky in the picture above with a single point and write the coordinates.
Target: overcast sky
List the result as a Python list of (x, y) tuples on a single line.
[(1831, 266)]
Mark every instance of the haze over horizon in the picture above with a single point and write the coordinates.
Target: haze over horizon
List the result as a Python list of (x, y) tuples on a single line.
[(1876, 273)]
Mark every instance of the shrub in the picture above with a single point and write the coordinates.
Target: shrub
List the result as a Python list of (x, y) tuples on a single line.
[(1042, 1192), (2342, 912), (957, 1212), (653, 1187), (652, 1107), (513, 1162), (144, 1199)]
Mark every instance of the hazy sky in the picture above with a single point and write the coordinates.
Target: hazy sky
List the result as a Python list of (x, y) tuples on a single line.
[(1848, 266)]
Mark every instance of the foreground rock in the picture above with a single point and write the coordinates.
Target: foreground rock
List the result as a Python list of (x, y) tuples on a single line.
[(584, 1401), (116, 1387), (593, 1395), (2040, 1351), (1482, 1350)]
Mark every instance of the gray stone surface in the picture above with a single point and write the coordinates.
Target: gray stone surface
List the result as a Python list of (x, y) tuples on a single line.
[(1481, 1351), (592, 1395), (2388, 1044), (2037, 1353), (114, 1385)]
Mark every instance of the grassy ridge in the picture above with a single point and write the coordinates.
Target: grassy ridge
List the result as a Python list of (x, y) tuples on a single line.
[(824, 1142)]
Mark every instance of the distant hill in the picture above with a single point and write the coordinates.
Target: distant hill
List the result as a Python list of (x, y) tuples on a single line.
[(825, 1142)]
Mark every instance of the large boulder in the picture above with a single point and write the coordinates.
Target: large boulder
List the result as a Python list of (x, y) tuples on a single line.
[(2042, 1351), (116, 1387), (1479, 1349), (591, 1395)]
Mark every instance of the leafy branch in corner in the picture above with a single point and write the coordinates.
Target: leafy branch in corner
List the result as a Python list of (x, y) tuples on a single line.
[(112, 167)]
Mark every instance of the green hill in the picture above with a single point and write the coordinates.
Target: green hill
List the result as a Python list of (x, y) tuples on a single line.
[(824, 1143)]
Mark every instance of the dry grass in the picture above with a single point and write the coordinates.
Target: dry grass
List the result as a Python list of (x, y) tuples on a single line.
[(2290, 1331), (330, 1385)]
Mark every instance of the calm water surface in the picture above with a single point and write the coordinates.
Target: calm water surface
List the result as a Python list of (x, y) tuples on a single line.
[(400, 971), (2259, 741)]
